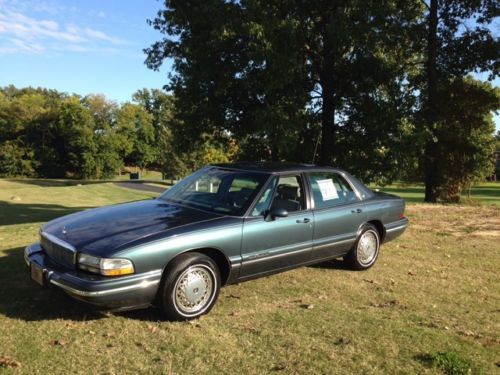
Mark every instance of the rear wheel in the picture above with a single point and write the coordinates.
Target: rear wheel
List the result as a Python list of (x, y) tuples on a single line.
[(365, 252), (190, 287)]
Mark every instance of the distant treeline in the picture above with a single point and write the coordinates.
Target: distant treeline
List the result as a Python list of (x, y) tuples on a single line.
[(50, 134), (47, 133)]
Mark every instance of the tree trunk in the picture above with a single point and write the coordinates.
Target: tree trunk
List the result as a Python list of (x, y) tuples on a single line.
[(327, 122), (430, 152)]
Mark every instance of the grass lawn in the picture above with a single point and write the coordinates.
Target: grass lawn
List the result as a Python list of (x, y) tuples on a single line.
[(487, 193), (430, 304)]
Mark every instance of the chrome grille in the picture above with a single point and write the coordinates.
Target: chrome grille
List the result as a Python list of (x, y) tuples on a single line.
[(58, 251)]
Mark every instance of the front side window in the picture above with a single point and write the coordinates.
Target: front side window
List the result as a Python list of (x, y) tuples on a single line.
[(265, 200), (330, 189), (289, 194), (218, 190)]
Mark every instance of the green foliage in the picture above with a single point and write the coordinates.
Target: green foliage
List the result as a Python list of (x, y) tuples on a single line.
[(74, 141), (350, 83), (285, 79), (465, 147), (15, 160), (448, 362), (459, 42), (50, 134)]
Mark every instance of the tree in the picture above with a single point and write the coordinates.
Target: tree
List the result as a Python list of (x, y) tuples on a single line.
[(459, 42), (272, 73), (464, 154), (134, 127), (16, 160), (73, 139), (160, 106), (108, 159)]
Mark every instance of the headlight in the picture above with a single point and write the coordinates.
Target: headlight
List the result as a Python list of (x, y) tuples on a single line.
[(105, 266)]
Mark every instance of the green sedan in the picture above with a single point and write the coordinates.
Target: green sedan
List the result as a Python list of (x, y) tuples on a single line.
[(224, 224)]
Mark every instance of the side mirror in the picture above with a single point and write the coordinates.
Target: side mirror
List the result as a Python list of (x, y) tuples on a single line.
[(276, 212)]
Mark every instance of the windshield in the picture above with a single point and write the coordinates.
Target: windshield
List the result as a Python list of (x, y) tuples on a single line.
[(218, 190)]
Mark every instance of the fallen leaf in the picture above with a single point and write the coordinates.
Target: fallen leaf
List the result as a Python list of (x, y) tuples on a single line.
[(195, 324), (469, 333), (391, 303), (8, 362), (342, 341), (279, 367), (307, 306), (58, 342), (152, 328)]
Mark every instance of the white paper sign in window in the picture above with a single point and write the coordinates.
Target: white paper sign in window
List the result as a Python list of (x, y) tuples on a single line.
[(327, 188)]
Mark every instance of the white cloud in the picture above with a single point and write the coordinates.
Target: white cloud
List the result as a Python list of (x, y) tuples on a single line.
[(20, 33), (96, 34)]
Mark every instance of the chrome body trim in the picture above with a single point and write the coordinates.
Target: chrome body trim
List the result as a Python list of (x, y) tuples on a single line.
[(399, 227), (142, 284)]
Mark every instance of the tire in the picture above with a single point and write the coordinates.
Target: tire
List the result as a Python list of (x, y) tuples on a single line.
[(365, 251), (190, 287)]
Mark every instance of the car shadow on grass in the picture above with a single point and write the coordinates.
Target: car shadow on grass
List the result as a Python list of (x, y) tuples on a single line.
[(335, 264), (24, 213), (56, 182), (21, 298)]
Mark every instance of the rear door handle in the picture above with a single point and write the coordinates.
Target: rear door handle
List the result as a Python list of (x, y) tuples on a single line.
[(303, 221), (356, 211)]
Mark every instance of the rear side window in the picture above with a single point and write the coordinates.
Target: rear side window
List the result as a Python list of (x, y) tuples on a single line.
[(330, 189)]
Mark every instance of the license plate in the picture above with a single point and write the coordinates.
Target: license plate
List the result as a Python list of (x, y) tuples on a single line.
[(37, 273)]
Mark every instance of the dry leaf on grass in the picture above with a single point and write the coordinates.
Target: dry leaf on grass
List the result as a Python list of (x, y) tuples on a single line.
[(152, 328), (58, 343), (307, 306), (391, 303), (8, 362)]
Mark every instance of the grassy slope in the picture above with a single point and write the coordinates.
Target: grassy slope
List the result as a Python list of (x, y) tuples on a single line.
[(434, 289)]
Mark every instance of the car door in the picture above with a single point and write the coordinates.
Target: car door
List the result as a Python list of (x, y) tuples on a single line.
[(268, 244), (338, 213)]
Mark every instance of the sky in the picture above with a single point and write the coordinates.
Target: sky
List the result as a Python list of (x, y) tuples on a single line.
[(82, 47), (90, 46)]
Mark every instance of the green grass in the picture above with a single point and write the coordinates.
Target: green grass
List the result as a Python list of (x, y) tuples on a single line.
[(449, 362), (485, 193), (434, 290)]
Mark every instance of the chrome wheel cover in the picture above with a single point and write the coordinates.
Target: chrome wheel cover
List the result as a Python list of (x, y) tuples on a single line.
[(367, 247), (194, 290)]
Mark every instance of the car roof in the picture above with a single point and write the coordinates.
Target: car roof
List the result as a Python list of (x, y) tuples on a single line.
[(273, 167)]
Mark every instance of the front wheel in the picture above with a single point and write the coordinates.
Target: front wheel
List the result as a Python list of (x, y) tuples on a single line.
[(366, 249), (190, 287)]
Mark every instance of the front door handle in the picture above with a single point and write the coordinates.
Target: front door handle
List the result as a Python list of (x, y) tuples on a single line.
[(303, 221), (356, 211)]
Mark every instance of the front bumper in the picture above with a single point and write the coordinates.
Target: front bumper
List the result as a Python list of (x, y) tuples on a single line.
[(124, 292)]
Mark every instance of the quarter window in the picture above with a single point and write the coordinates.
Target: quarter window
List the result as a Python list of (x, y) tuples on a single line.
[(330, 189)]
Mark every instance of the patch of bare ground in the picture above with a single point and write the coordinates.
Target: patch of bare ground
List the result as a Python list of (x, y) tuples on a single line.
[(481, 221)]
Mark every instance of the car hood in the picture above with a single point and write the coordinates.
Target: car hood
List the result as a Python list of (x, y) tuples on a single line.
[(104, 230)]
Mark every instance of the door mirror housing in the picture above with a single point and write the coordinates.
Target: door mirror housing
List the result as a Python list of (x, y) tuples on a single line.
[(276, 212)]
